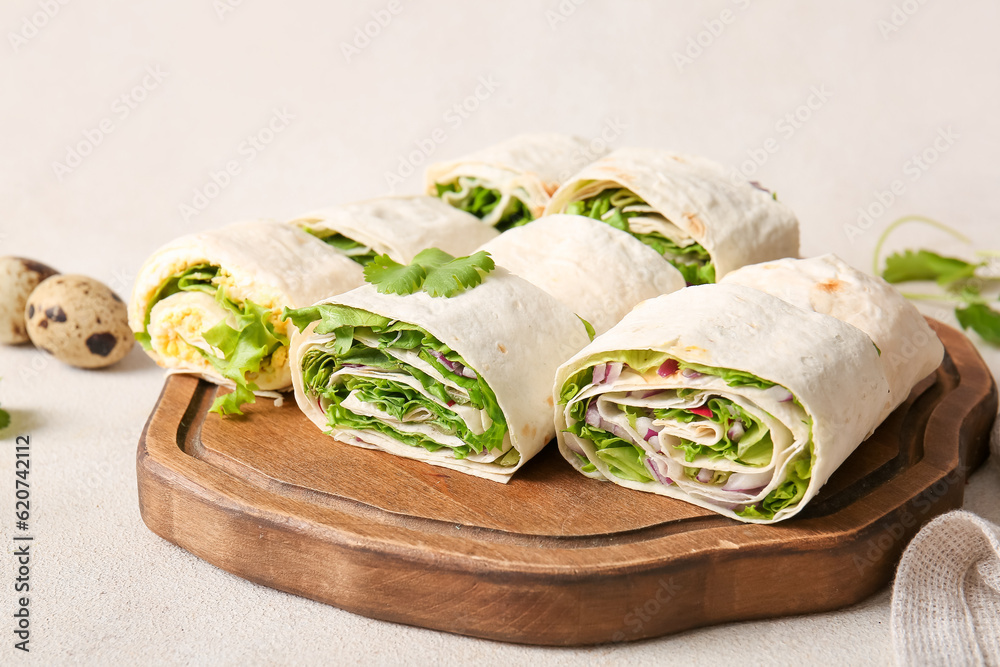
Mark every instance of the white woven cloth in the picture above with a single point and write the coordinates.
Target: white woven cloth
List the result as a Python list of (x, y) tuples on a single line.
[(946, 599)]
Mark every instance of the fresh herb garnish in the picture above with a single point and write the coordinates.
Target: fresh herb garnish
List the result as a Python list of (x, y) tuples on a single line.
[(4, 419), (433, 271), (963, 282)]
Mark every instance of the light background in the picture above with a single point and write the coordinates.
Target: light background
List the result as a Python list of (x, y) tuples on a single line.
[(110, 592)]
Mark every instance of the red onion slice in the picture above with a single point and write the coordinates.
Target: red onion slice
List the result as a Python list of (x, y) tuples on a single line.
[(600, 372), (668, 368), (653, 468), (704, 476), (690, 374), (736, 431), (614, 372)]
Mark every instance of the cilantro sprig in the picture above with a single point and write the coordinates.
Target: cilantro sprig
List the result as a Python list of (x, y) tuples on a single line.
[(963, 283), (432, 270)]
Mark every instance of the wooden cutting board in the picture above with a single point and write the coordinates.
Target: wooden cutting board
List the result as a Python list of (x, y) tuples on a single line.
[(552, 557)]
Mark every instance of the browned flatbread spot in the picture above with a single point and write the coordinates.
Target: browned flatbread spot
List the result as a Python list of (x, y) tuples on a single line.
[(830, 286), (697, 227), (503, 350)]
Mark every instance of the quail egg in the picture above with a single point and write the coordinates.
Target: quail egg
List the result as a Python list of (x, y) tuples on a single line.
[(79, 321), (18, 277)]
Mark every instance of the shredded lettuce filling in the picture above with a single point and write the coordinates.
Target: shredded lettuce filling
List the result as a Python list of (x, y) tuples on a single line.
[(480, 202), (693, 261), (359, 252), (627, 460), (245, 348), (362, 341)]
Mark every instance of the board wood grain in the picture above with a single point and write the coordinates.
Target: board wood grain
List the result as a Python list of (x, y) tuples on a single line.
[(552, 557)]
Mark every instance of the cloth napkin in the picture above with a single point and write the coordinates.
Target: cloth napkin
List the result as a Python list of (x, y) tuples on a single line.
[(946, 599)]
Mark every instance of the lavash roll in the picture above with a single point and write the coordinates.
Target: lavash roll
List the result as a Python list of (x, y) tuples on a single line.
[(819, 393), (271, 264), (599, 272), (909, 348), (735, 221), (509, 334), (400, 226), (527, 167)]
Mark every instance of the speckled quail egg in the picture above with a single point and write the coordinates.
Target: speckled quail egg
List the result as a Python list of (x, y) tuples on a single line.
[(79, 321), (18, 277)]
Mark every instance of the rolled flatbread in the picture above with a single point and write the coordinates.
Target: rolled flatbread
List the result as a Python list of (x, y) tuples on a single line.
[(909, 350), (224, 290), (462, 382), (396, 226), (686, 207), (509, 184), (599, 272), (723, 396)]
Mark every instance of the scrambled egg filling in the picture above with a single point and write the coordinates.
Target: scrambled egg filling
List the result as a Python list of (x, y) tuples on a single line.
[(178, 322)]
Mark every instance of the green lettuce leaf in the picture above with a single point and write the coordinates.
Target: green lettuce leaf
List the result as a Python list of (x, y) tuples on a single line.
[(480, 202), (351, 326), (623, 458), (644, 361), (244, 349), (359, 252), (753, 448), (789, 492), (693, 261)]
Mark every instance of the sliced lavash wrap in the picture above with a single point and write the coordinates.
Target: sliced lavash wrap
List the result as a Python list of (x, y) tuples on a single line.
[(509, 184), (595, 269), (233, 282), (399, 227), (462, 382), (691, 210), (722, 396), (909, 348)]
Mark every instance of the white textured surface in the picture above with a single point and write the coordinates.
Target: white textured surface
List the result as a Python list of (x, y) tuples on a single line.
[(107, 591)]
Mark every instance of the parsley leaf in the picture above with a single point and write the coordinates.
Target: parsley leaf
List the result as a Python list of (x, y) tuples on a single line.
[(431, 258), (4, 419), (927, 265), (959, 279), (432, 270), (390, 277), (457, 275), (982, 319)]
